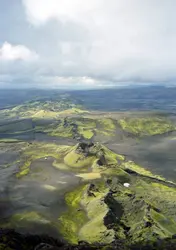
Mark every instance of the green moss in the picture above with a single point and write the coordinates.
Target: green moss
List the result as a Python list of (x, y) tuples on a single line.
[(74, 218), (95, 230), (40, 150), (166, 224), (85, 127), (86, 133), (121, 175), (76, 225), (89, 176), (22, 219), (107, 124), (86, 123), (76, 160), (37, 151), (23, 173), (60, 165), (78, 111), (112, 157), (104, 133), (61, 130), (146, 126), (43, 109), (140, 170)]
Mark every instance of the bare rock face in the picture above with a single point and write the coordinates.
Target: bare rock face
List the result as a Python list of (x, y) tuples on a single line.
[(84, 148), (109, 219), (102, 160), (92, 149), (91, 189)]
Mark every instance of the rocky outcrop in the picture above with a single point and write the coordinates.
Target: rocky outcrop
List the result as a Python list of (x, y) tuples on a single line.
[(84, 148), (115, 211), (92, 149)]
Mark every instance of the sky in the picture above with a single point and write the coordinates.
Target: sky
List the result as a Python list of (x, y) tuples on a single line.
[(87, 43)]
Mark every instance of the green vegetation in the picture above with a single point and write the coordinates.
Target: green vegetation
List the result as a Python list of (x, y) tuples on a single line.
[(23, 218), (61, 130), (85, 127), (90, 176), (28, 220), (23, 173), (140, 170), (145, 209), (67, 127), (73, 219), (73, 111), (39, 150), (111, 156), (147, 125), (107, 124), (67, 157), (150, 206), (73, 159), (102, 208), (167, 225), (87, 134), (84, 218), (43, 109), (94, 230)]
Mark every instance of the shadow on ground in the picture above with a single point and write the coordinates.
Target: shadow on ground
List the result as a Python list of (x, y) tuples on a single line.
[(11, 240)]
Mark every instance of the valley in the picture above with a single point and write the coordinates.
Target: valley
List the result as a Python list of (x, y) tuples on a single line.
[(63, 169)]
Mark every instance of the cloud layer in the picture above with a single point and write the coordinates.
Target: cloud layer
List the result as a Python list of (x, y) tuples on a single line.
[(9, 52), (95, 42)]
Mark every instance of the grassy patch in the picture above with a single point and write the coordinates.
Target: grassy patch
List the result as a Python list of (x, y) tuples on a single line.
[(165, 223), (146, 126), (73, 219), (76, 225), (107, 124), (95, 230), (42, 109), (23, 173), (140, 170), (73, 111), (86, 133), (111, 156), (73, 159), (39, 150), (45, 114), (89, 176), (22, 218)]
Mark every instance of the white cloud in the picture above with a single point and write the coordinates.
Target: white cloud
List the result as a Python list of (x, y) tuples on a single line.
[(127, 39), (40, 11), (71, 82), (9, 52), (96, 42)]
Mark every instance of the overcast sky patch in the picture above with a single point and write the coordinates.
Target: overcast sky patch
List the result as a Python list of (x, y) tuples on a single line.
[(87, 43)]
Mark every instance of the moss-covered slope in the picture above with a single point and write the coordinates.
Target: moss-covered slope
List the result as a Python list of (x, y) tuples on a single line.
[(147, 126), (106, 209)]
